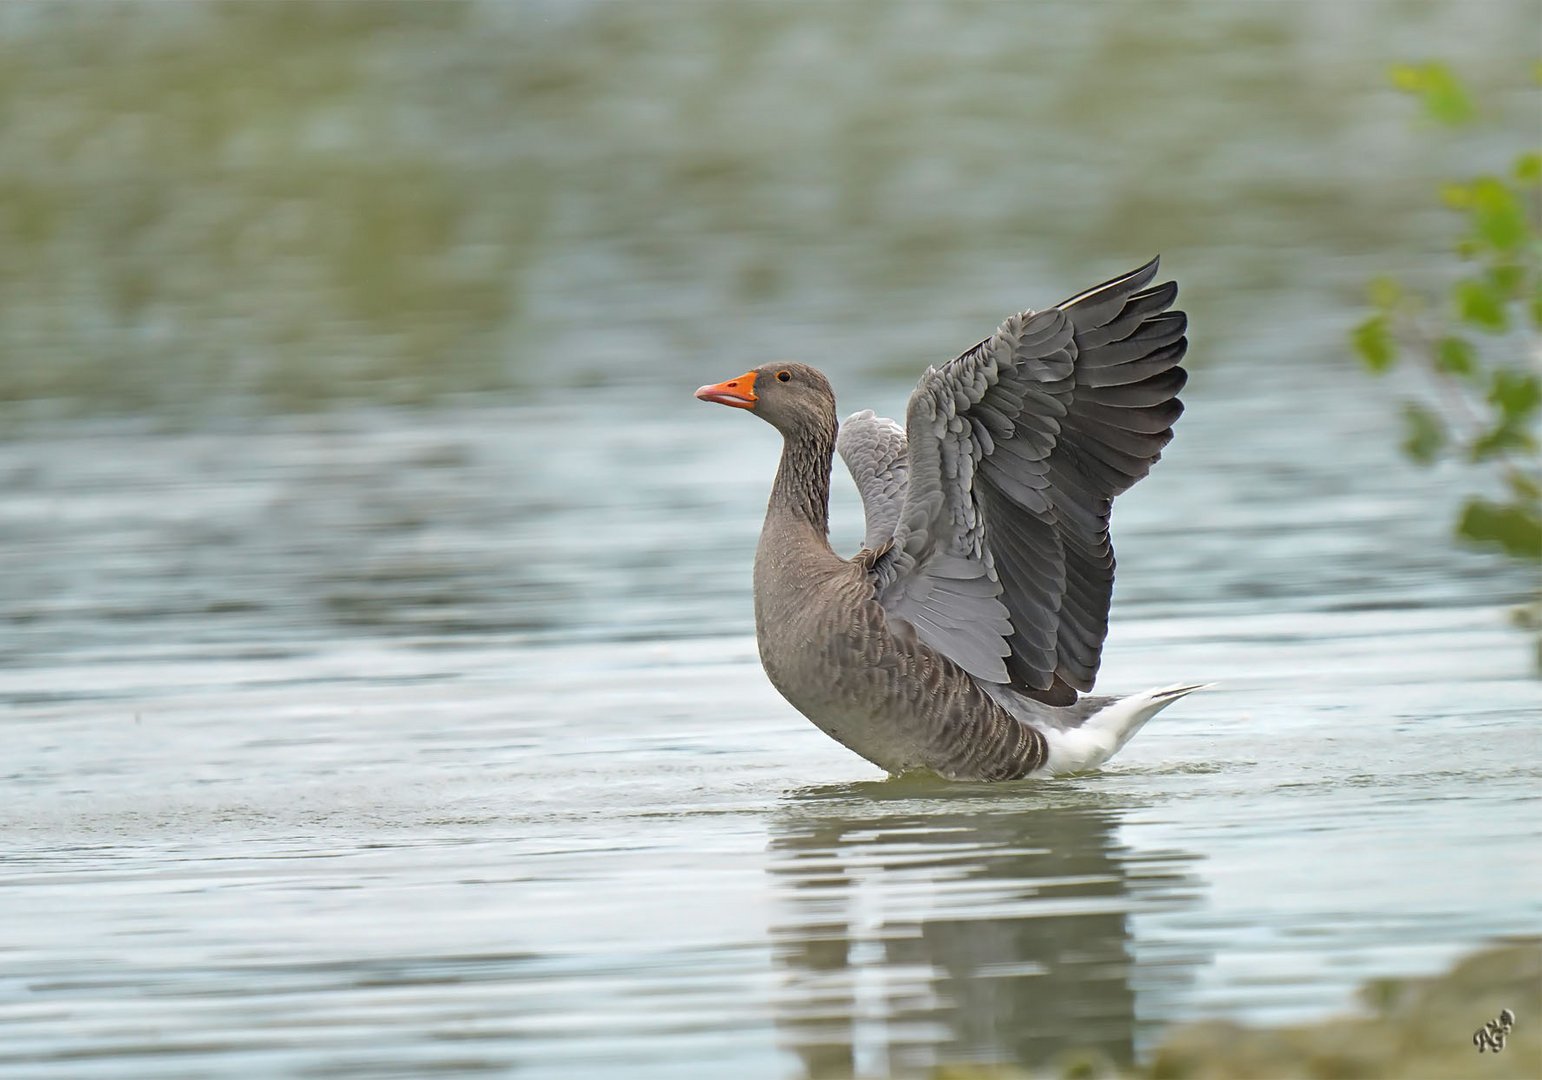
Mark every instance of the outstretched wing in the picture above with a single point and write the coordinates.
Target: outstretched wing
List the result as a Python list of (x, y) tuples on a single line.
[(1001, 558), (873, 448)]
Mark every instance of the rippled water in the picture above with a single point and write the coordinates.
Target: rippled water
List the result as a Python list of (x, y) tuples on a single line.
[(378, 742), (360, 744)]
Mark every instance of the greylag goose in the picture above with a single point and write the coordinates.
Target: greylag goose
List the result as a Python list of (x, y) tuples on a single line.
[(965, 636)]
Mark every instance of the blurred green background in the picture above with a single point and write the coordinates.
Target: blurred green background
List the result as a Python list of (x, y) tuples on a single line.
[(247, 207)]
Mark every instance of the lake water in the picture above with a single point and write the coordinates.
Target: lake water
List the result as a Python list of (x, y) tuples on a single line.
[(357, 740), (361, 745)]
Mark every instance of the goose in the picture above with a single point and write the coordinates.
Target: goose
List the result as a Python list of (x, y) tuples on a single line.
[(964, 637)]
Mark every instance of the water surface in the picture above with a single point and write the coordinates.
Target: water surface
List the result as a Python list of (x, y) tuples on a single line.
[(343, 738), (358, 744)]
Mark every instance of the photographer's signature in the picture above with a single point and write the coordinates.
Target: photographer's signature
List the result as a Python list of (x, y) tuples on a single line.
[(1492, 1035)]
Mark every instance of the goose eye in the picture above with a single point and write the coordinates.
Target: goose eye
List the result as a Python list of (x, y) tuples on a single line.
[(784, 376)]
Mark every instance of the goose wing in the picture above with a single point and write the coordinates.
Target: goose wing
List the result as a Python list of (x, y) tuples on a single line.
[(873, 448), (1001, 557)]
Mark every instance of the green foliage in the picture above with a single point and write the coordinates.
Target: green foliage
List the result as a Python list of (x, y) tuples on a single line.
[(1528, 169), (1479, 305), (1487, 393), (1374, 342), (1455, 356), (1515, 394), (1504, 524), (1445, 99), (1424, 433)]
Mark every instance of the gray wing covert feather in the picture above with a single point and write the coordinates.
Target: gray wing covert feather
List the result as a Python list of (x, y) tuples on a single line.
[(1001, 557)]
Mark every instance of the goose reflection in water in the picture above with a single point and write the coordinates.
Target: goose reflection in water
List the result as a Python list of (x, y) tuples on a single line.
[(919, 926)]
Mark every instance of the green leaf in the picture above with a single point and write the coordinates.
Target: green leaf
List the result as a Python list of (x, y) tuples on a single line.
[(1515, 529), (1408, 78), (1505, 439), (1507, 279), (1536, 311), (1516, 394), (1384, 292), (1497, 214), (1456, 196), (1424, 434), (1444, 98), (1455, 356), (1526, 489), (1373, 340), (1478, 304), (1528, 168)]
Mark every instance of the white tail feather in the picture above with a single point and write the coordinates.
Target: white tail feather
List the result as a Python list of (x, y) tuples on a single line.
[(1105, 732)]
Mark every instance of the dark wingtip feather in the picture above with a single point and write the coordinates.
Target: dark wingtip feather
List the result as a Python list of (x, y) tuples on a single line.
[(1124, 284)]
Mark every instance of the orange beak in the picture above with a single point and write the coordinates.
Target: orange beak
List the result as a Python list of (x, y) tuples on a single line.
[(739, 393)]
